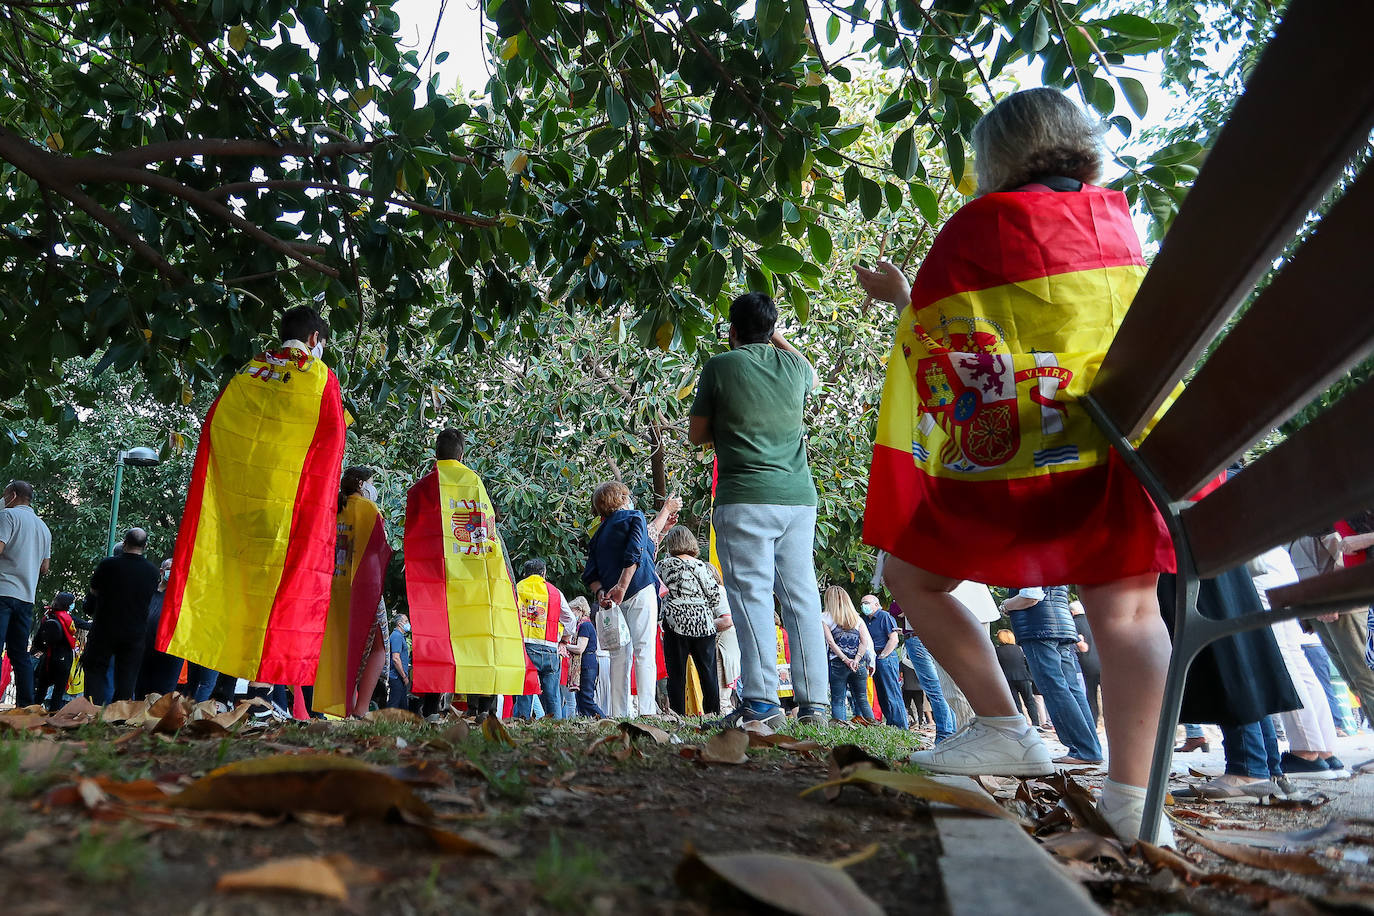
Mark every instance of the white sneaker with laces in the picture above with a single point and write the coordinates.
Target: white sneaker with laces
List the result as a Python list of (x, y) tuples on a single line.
[(980, 749)]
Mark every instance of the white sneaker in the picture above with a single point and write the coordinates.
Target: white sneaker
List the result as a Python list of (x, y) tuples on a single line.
[(979, 749), (1124, 813)]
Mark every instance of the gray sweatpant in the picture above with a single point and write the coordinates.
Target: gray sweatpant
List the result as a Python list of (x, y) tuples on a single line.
[(768, 550)]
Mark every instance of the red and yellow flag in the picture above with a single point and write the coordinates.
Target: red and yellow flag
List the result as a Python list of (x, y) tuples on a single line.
[(985, 466), (465, 629), (249, 591), (361, 555)]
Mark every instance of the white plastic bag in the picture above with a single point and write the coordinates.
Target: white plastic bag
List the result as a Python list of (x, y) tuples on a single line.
[(612, 632)]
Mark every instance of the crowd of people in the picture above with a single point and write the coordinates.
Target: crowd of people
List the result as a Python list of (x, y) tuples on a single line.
[(985, 470)]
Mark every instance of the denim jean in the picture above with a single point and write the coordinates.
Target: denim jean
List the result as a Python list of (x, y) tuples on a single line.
[(1054, 666), (1252, 750), (855, 685), (887, 681), (15, 619), (768, 551), (586, 687), (200, 681), (929, 680), (397, 694), (546, 665)]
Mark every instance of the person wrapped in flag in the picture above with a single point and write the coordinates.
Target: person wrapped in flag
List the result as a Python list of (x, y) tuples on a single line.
[(465, 628), (254, 559), (354, 650), (986, 468)]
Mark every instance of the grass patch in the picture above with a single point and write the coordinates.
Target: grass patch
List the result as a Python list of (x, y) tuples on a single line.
[(567, 879), (105, 855)]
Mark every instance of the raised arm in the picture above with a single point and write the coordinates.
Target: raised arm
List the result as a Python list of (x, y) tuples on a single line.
[(886, 283)]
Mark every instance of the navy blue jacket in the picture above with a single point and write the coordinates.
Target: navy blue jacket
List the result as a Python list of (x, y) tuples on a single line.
[(621, 541), (1047, 619)]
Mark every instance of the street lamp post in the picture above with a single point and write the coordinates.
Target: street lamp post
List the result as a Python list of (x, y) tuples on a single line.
[(138, 457)]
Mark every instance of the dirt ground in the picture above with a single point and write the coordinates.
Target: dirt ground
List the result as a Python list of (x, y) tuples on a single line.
[(576, 817), (579, 832)]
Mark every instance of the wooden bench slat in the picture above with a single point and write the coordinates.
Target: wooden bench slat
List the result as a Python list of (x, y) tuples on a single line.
[(1354, 585), (1319, 474), (1312, 323), (1308, 106)]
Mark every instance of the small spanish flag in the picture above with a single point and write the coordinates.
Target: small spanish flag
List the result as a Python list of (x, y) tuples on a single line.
[(465, 629), (986, 467), (254, 558), (361, 555)]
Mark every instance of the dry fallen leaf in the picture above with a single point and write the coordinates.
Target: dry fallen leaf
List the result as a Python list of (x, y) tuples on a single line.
[(730, 745), (171, 720), (138, 790), (43, 754), (1296, 862), (922, 787), (287, 783), (20, 721), (395, 715), (78, 712), (298, 874), (32, 841), (1084, 845), (456, 733), (123, 711), (787, 883), (637, 730), (495, 731)]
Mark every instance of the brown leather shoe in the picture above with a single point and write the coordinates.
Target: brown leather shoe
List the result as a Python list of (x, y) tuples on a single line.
[(1193, 744)]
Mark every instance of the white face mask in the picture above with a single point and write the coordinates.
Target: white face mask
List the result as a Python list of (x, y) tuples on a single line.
[(369, 491), (405, 626), (869, 609), (317, 351)]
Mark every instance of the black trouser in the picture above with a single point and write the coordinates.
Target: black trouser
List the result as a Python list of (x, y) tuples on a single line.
[(702, 650), (52, 672), (1025, 692), (127, 656), (158, 673), (480, 703), (1093, 683)]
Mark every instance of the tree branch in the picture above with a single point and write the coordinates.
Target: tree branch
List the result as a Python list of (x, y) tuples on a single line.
[(290, 184), (185, 149), (39, 165)]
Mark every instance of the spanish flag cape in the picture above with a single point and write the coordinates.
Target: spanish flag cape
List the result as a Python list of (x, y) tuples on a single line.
[(465, 629), (254, 558), (361, 555), (986, 467)]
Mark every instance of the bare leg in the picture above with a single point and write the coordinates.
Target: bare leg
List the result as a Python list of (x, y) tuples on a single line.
[(1134, 645), (371, 673), (953, 635)]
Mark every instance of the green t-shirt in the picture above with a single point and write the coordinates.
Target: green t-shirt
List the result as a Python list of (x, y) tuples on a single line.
[(754, 397)]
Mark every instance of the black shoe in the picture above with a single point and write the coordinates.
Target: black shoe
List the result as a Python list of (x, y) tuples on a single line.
[(1296, 767)]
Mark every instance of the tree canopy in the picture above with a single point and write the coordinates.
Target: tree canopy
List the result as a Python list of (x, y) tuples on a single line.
[(544, 261)]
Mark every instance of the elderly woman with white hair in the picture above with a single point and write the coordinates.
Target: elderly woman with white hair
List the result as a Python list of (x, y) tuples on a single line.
[(986, 466)]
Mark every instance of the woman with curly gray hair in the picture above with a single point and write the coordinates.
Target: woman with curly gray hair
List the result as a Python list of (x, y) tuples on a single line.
[(986, 466)]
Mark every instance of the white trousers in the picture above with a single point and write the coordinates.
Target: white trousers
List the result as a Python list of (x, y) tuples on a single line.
[(1310, 728), (641, 615)]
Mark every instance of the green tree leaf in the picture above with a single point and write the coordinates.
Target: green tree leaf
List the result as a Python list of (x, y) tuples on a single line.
[(781, 259)]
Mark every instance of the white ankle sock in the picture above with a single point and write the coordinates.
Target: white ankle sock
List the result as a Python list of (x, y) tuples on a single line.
[(1114, 793), (1012, 725)]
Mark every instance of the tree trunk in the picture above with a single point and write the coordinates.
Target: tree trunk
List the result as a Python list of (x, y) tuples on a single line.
[(657, 464)]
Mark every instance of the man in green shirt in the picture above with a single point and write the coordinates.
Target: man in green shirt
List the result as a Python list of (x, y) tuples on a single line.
[(749, 406)]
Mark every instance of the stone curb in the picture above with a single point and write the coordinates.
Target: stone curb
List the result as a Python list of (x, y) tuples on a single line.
[(991, 867)]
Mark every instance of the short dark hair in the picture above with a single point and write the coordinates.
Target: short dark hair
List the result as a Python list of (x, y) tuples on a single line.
[(534, 567), (753, 316), (450, 444), (300, 322), (135, 539), (21, 489)]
